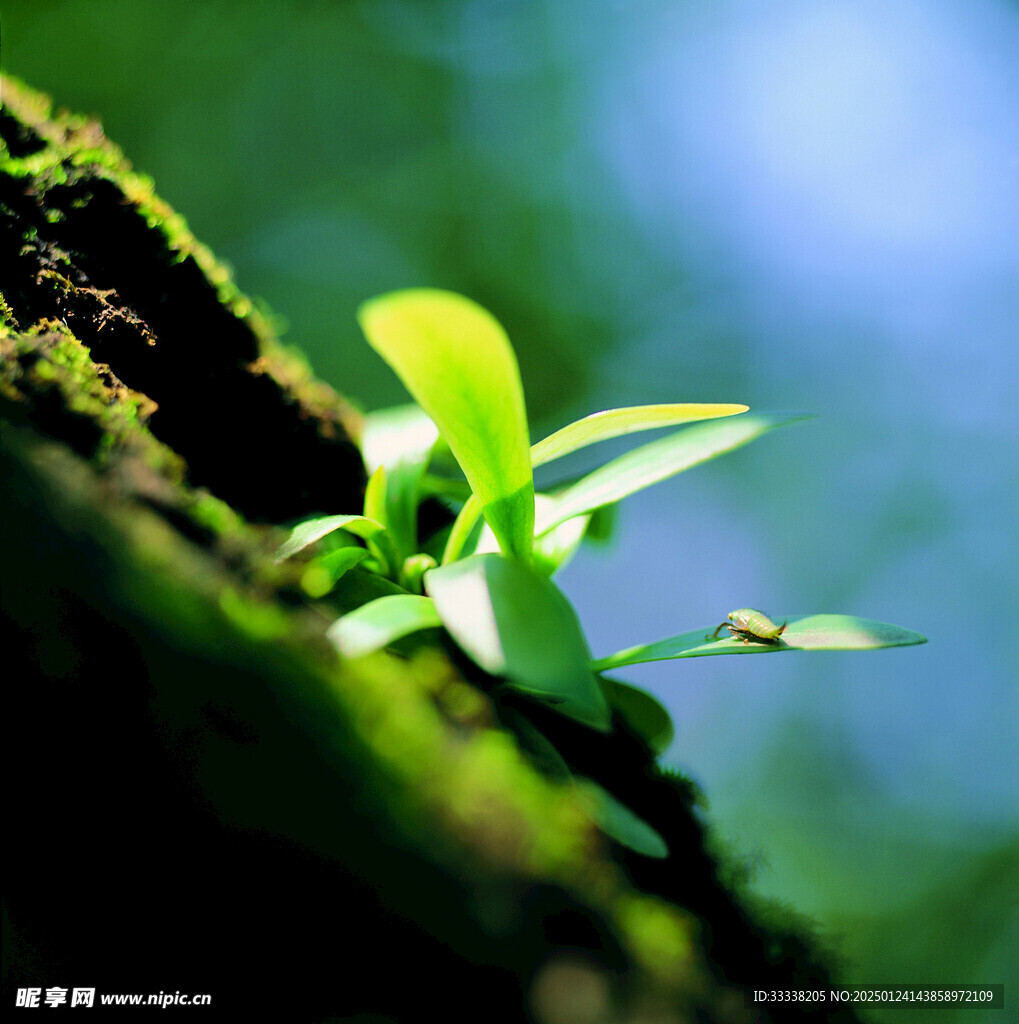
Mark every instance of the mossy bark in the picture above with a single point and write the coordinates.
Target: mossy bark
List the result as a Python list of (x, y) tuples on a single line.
[(202, 798)]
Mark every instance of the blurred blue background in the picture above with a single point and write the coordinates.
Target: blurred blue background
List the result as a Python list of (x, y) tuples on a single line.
[(797, 205)]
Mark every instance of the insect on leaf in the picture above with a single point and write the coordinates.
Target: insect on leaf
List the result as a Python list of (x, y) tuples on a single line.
[(802, 633), (458, 364)]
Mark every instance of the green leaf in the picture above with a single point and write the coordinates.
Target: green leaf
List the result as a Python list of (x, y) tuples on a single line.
[(442, 487), (615, 819), (413, 570), (381, 622), (323, 573), (311, 530), (552, 550), (539, 750), (602, 526), (463, 527), (517, 625), (371, 531), (645, 715), (375, 497), (803, 633), (600, 426), (456, 361), (657, 461), (358, 586), (400, 439)]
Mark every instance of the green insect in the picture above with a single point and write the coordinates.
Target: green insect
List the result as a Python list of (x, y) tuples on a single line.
[(748, 624)]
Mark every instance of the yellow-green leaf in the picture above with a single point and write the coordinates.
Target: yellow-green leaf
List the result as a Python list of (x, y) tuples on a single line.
[(600, 426), (456, 361), (657, 461)]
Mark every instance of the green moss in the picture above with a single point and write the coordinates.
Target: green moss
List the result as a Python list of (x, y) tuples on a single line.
[(96, 413), (662, 938), (486, 793), (44, 168), (215, 515), (256, 619), (77, 150), (67, 352)]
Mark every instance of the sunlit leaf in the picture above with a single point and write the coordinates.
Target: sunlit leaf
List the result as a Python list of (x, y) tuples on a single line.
[(516, 624), (457, 362), (463, 528), (615, 819), (552, 550), (555, 548), (802, 633), (375, 497), (381, 622), (645, 715), (657, 461), (401, 439), (600, 426)]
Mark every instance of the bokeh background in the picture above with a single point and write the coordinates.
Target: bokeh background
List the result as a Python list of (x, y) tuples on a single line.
[(798, 204)]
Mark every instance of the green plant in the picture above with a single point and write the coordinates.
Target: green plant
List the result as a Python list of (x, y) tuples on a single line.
[(484, 581)]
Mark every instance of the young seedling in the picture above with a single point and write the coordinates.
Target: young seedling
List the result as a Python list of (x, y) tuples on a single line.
[(748, 624), (485, 581)]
